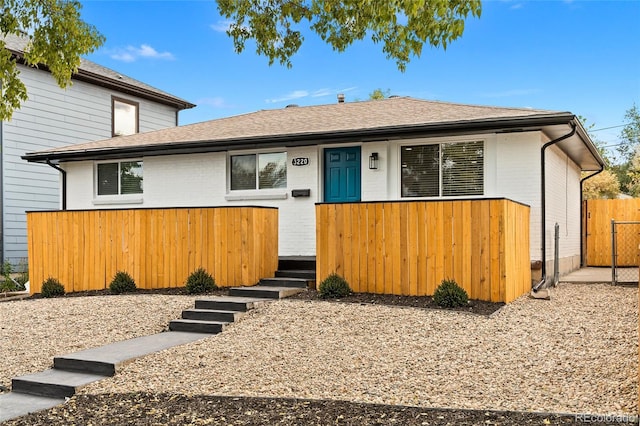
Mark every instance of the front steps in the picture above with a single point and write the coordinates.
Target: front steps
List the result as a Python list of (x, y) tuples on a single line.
[(71, 372), (211, 315), (303, 267)]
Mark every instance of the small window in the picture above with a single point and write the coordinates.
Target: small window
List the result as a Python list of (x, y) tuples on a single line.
[(124, 117), (120, 178), (447, 169), (259, 171)]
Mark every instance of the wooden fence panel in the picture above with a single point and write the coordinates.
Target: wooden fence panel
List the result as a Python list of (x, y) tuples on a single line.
[(159, 248), (597, 231), (408, 248)]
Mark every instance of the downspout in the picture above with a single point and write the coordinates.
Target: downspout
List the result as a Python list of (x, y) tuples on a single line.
[(64, 182), (582, 235), (543, 278)]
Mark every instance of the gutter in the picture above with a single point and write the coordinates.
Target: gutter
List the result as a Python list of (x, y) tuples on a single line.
[(543, 278), (583, 234), (64, 183), (301, 139)]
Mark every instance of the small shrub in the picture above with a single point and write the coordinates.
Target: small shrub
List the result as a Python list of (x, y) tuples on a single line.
[(450, 295), (200, 281), (7, 284), (122, 283), (51, 287), (334, 286), (23, 277)]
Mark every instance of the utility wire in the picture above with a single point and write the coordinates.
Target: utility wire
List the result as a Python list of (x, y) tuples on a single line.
[(607, 128)]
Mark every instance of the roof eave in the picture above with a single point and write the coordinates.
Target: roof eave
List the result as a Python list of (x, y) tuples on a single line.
[(99, 80), (109, 83), (500, 125)]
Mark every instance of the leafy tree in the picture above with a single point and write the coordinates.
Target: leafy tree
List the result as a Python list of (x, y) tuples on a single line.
[(602, 185), (630, 134), (57, 38), (402, 26), (378, 94)]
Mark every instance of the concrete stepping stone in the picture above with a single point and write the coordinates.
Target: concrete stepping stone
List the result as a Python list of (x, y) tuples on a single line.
[(266, 292), (106, 360), (14, 404)]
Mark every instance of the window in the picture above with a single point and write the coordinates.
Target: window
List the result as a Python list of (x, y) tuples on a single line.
[(124, 117), (447, 169), (119, 178), (259, 171)]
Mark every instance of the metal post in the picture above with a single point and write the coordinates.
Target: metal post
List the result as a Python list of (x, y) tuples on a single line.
[(556, 256), (613, 251)]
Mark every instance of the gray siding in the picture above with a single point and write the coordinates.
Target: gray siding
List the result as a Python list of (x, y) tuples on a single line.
[(54, 117)]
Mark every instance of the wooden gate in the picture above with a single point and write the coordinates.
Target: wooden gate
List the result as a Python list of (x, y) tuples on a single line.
[(596, 229)]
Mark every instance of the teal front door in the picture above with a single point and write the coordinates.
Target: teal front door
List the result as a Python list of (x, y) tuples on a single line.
[(342, 174)]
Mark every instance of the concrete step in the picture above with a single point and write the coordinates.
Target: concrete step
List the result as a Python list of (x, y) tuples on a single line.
[(284, 282), (292, 263), (266, 292), (226, 303), (53, 383), (305, 274), (106, 360), (15, 404), (197, 326), (211, 315)]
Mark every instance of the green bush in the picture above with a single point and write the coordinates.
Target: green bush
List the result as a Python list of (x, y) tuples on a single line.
[(334, 286), (51, 287), (200, 281), (450, 295), (122, 283)]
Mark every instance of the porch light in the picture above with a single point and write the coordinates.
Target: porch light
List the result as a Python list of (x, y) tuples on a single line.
[(373, 161)]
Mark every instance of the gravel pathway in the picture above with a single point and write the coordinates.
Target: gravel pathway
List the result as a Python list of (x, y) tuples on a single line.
[(576, 353)]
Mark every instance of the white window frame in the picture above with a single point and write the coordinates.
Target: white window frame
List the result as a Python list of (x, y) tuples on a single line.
[(257, 193), (116, 198), (440, 142), (131, 103)]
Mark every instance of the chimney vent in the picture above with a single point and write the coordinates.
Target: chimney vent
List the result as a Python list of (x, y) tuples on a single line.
[(340, 98)]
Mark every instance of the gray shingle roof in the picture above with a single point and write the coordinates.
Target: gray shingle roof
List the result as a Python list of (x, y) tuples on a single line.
[(315, 120), (103, 76), (332, 123)]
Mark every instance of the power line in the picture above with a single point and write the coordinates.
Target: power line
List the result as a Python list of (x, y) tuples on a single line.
[(607, 128)]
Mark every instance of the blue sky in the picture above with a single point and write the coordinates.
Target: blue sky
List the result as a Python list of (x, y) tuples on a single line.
[(578, 56)]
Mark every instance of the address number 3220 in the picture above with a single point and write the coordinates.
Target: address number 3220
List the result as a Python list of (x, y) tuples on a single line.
[(300, 161)]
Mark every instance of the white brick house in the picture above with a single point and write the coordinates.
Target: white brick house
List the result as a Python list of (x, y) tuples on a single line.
[(101, 103), (392, 149)]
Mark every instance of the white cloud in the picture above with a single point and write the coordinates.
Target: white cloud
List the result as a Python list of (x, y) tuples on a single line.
[(221, 26), (215, 102), (131, 53), (330, 92), (318, 93), (296, 94)]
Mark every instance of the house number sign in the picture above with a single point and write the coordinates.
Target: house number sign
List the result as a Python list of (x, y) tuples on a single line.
[(300, 161)]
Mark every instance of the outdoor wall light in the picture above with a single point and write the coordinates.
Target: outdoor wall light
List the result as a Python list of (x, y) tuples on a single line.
[(373, 161)]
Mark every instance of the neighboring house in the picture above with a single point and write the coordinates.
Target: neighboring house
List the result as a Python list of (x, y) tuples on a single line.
[(100, 104), (394, 149)]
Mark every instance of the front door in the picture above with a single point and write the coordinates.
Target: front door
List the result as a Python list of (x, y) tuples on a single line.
[(342, 174)]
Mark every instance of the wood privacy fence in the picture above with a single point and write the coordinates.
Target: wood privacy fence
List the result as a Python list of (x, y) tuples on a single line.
[(408, 248), (159, 248), (596, 229)]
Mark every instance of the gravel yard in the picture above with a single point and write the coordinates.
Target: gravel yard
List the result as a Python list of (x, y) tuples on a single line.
[(577, 353), (32, 332)]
